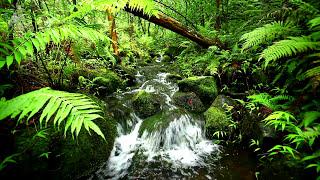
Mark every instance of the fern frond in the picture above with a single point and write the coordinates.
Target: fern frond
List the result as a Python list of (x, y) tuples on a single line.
[(288, 47), (265, 34), (309, 117), (262, 98), (310, 73), (271, 102), (314, 22), (75, 109), (25, 46)]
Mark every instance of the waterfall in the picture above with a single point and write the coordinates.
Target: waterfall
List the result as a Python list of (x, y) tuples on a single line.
[(181, 144)]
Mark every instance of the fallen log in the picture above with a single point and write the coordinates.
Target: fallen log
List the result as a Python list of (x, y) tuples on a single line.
[(175, 26)]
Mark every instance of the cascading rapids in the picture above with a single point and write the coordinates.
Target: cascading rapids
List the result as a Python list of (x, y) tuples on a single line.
[(182, 143)]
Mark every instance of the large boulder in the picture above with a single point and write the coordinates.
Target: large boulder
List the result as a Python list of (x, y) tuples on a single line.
[(81, 157), (189, 101), (146, 104), (204, 86), (55, 157), (215, 120)]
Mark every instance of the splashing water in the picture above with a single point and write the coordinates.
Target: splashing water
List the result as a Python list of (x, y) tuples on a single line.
[(181, 144)]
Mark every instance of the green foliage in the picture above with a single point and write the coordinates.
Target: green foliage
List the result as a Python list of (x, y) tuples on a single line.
[(266, 34), (75, 109), (274, 103), (25, 46), (8, 160), (288, 47)]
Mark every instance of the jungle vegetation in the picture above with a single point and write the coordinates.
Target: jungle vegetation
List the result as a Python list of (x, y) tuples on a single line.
[(55, 54)]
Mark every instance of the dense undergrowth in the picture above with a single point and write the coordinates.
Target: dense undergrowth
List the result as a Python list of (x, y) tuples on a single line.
[(269, 62)]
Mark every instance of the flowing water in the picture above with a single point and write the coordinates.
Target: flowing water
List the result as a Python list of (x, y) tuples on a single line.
[(178, 151)]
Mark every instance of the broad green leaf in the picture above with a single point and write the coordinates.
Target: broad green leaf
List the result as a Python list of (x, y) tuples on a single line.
[(29, 48), (36, 44), (9, 60)]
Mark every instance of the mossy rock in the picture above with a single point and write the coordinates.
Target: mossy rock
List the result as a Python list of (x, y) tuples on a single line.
[(83, 156), (204, 86), (108, 83), (215, 120), (189, 101), (146, 104), (159, 121), (173, 77), (68, 158)]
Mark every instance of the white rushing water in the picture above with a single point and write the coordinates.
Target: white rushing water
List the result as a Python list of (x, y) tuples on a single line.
[(181, 143)]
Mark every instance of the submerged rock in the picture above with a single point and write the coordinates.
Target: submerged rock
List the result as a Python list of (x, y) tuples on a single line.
[(216, 120), (146, 104), (204, 86), (189, 101), (159, 121)]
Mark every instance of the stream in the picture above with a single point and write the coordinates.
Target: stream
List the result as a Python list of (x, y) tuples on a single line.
[(178, 151)]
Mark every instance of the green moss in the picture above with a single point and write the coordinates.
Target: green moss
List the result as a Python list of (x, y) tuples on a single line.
[(83, 156), (204, 86), (159, 121), (109, 80), (216, 119), (146, 104)]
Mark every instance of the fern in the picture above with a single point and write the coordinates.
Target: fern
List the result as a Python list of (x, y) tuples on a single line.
[(25, 46), (265, 34), (288, 47), (281, 119), (314, 22), (273, 103), (75, 109)]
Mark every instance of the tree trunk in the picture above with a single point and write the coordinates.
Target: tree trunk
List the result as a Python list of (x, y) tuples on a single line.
[(114, 36), (175, 26)]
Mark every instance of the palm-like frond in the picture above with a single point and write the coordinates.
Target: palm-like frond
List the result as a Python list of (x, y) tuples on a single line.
[(265, 34), (25, 46), (288, 47), (75, 109)]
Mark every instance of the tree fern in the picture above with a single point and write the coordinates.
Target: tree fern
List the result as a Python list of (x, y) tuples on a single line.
[(25, 46), (265, 34), (75, 109), (288, 47)]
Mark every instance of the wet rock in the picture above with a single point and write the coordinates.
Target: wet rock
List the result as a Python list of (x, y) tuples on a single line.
[(159, 121), (215, 120), (146, 104), (174, 77), (189, 101), (204, 86)]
